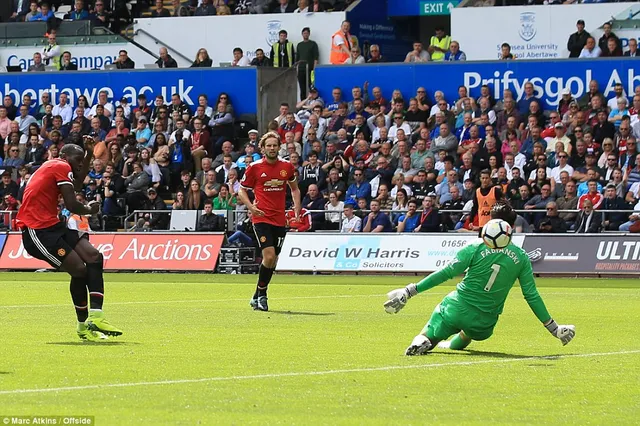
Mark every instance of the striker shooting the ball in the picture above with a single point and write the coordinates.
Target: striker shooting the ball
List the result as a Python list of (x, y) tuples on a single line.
[(472, 310)]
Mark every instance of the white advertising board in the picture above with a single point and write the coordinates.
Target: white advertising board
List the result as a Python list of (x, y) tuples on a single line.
[(86, 56), (537, 32), (373, 252), (221, 34)]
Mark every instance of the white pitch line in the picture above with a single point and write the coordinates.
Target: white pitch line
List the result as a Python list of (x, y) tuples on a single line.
[(310, 373), (162, 302)]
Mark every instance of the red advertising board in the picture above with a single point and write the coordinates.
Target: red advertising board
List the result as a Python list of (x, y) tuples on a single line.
[(134, 251)]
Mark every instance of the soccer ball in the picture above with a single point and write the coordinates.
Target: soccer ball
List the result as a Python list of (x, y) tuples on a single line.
[(496, 234)]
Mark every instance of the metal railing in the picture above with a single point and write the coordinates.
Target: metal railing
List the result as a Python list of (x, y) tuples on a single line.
[(232, 215)]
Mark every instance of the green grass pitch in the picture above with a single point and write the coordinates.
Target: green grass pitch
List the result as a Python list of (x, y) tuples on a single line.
[(193, 352)]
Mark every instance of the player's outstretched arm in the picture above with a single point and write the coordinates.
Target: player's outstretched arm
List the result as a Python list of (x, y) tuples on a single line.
[(398, 298), (73, 205), (528, 285)]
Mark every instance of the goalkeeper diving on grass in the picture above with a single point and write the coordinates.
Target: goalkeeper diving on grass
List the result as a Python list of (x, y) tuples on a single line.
[(471, 311)]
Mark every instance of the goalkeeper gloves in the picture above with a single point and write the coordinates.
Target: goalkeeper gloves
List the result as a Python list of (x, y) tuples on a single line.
[(398, 298), (565, 333)]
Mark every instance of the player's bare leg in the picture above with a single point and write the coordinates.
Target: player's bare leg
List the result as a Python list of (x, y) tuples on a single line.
[(459, 342), (94, 280), (267, 268)]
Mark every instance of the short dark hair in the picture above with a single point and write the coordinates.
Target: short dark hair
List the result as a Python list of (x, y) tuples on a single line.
[(283, 32), (305, 29), (237, 49), (208, 202), (124, 51)]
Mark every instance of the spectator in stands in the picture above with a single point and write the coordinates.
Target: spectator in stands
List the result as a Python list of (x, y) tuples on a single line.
[(221, 128), (577, 40), (612, 221), (355, 57), (160, 11), (205, 9), (612, 49), (124, 61), (20, 8), (209, 221), (374, 55), (202, 59), (603, 42), (7, 185), (261, 59), (137, 184), (603, 128), (418, 54), (616, 114), (24, 119), (351, 222), (283, 6), (51, 52), (239, 60), (593, 194), (156, 221), (376, 221), (225, 200), (590, 50), (194, 196), (505, 52), (37, 63), (335, 207), (100, 17), (633, 49), (165, 60), (429, 220), (589, 221), (551, 223), (283, 53), (79, 12), (568, 202), (307, 56)]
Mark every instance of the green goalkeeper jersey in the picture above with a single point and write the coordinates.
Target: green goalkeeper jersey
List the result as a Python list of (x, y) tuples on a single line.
[(490, 275)]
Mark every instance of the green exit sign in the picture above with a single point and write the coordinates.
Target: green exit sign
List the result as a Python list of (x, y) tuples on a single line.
[(437, 7)]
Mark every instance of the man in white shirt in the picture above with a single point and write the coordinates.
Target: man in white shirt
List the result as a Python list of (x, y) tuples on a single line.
[(591, 49), (561, 136), (239, 60), (180, 127), (104, 101), (398, 123), (63, 109), (24, 119), (351, 222), (619, 93), (561, 167), (418, 54)]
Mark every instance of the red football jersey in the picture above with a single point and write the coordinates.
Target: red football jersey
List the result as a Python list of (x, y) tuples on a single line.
[(40, 200), (269, 184)]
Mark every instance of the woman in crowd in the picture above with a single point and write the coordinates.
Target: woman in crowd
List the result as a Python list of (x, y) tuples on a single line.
[(335, 206), (195, 196), (224, 200), (137, 184), (150, 166), (398, 184), (178, 202), (494, 166), (202, 59), (115, 156), (607, 149), (541, 180), (400, 204), (223, 98), (82, 102)]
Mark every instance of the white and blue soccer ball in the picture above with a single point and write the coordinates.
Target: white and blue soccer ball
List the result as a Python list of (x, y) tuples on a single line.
[(496, 234)]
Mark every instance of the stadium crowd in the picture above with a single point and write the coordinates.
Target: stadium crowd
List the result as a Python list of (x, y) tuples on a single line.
[(370, 164)]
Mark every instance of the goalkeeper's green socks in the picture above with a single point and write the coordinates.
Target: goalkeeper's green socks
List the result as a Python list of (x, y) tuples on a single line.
[(458, 342)]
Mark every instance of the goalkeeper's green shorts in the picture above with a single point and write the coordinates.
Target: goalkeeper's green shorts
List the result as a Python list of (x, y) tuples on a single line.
[(452, 315)]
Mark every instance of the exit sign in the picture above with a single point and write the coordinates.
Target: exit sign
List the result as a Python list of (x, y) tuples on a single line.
[(437, 7)]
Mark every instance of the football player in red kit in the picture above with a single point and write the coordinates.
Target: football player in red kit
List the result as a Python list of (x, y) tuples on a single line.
[(268, 178), (46, 238)]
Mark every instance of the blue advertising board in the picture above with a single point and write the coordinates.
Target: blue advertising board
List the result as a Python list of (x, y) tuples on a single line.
[(548, 77), (239, 84)]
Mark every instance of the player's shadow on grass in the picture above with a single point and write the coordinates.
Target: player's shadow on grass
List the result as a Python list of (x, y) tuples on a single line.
[(311, 314), (108, 343), (489, 354)]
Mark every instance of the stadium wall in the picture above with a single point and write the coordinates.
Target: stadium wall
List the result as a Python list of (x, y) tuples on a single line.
[(538, 32), (548, 77)]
